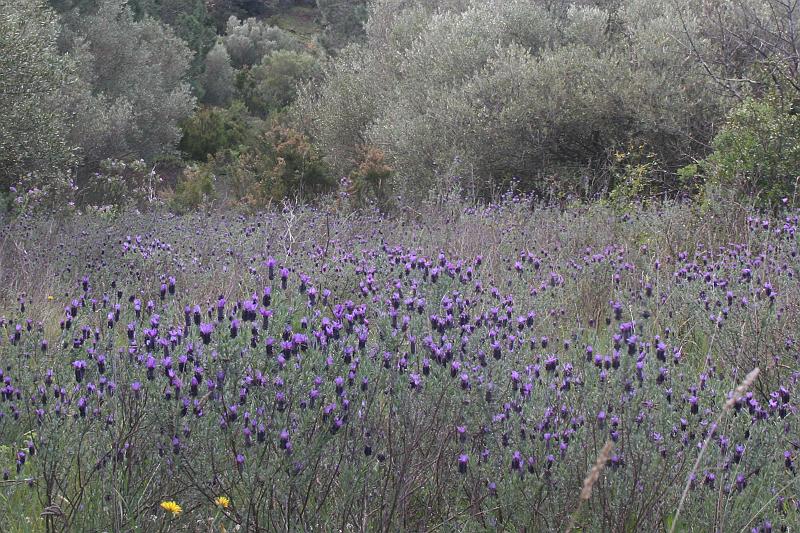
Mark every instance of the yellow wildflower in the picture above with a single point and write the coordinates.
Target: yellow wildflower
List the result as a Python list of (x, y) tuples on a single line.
[(51, 297), (172, 507), (223, 501)]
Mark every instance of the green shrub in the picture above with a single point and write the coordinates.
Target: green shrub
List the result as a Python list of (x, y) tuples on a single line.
[(32, 73), (757, 153), (213, 129), (516, 91), (343, 21), (282, 163), (634, 177), (195, 189), (372, 179), (272, 85), (118, 183), (218, 77), (247, 41), (132, 92)]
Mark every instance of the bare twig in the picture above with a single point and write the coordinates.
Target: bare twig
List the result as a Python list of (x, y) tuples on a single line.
[(590, 480), (736, 396)]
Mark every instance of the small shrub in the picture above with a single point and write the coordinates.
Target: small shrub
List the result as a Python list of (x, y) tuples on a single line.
[(213, 129), (119, 183), (372, 177), (281, 163), (195, 189), (757, 153), (634, 177)]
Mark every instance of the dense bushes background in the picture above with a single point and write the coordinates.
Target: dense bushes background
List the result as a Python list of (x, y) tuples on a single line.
[(629, 100)]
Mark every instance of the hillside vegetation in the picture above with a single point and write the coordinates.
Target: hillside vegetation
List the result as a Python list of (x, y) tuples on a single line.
[(394, 265), (253, 103)]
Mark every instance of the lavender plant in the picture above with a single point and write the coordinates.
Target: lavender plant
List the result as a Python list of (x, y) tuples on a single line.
[(292, 371)]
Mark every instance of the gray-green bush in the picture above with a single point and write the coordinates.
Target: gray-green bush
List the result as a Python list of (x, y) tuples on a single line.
[(33, 129), (522, 91), (249, 40), (133, 90)]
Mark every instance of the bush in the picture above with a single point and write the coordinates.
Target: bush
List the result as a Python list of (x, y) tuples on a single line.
[(634, 177), (281, 163), (118, 183), (516, 91), (32, 74), (757, 153), (132, 93), (272, 85), (372, 179), (218, 77), (247, 41), (195, 189), (343, 21), (212, 129)]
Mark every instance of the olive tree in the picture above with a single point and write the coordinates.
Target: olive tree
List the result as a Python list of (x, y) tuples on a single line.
[(32, 73), (133, 91), (512, 90), (249, 40), (218, 77)]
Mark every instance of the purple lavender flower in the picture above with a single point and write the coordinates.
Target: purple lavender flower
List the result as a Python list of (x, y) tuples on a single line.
[(205, 332), (516, 461), (463, 460), (80, 369)]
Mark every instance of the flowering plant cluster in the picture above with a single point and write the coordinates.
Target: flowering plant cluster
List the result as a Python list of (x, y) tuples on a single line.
[(495, 372)]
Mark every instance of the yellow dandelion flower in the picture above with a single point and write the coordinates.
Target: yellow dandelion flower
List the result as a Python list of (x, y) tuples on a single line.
[(172, 507), (223, 501), (51, 297)]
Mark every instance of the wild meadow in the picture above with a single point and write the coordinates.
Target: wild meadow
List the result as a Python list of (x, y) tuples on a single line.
[(399, 265), (451, 369)]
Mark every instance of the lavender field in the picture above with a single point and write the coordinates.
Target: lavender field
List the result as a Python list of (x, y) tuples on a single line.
[(451, 369)]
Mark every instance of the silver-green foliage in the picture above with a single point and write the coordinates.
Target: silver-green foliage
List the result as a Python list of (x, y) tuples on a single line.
[(275, 79), (343, 21), (508, 89), (132, 91), (247, 41), (218, 77), (32, 72)]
